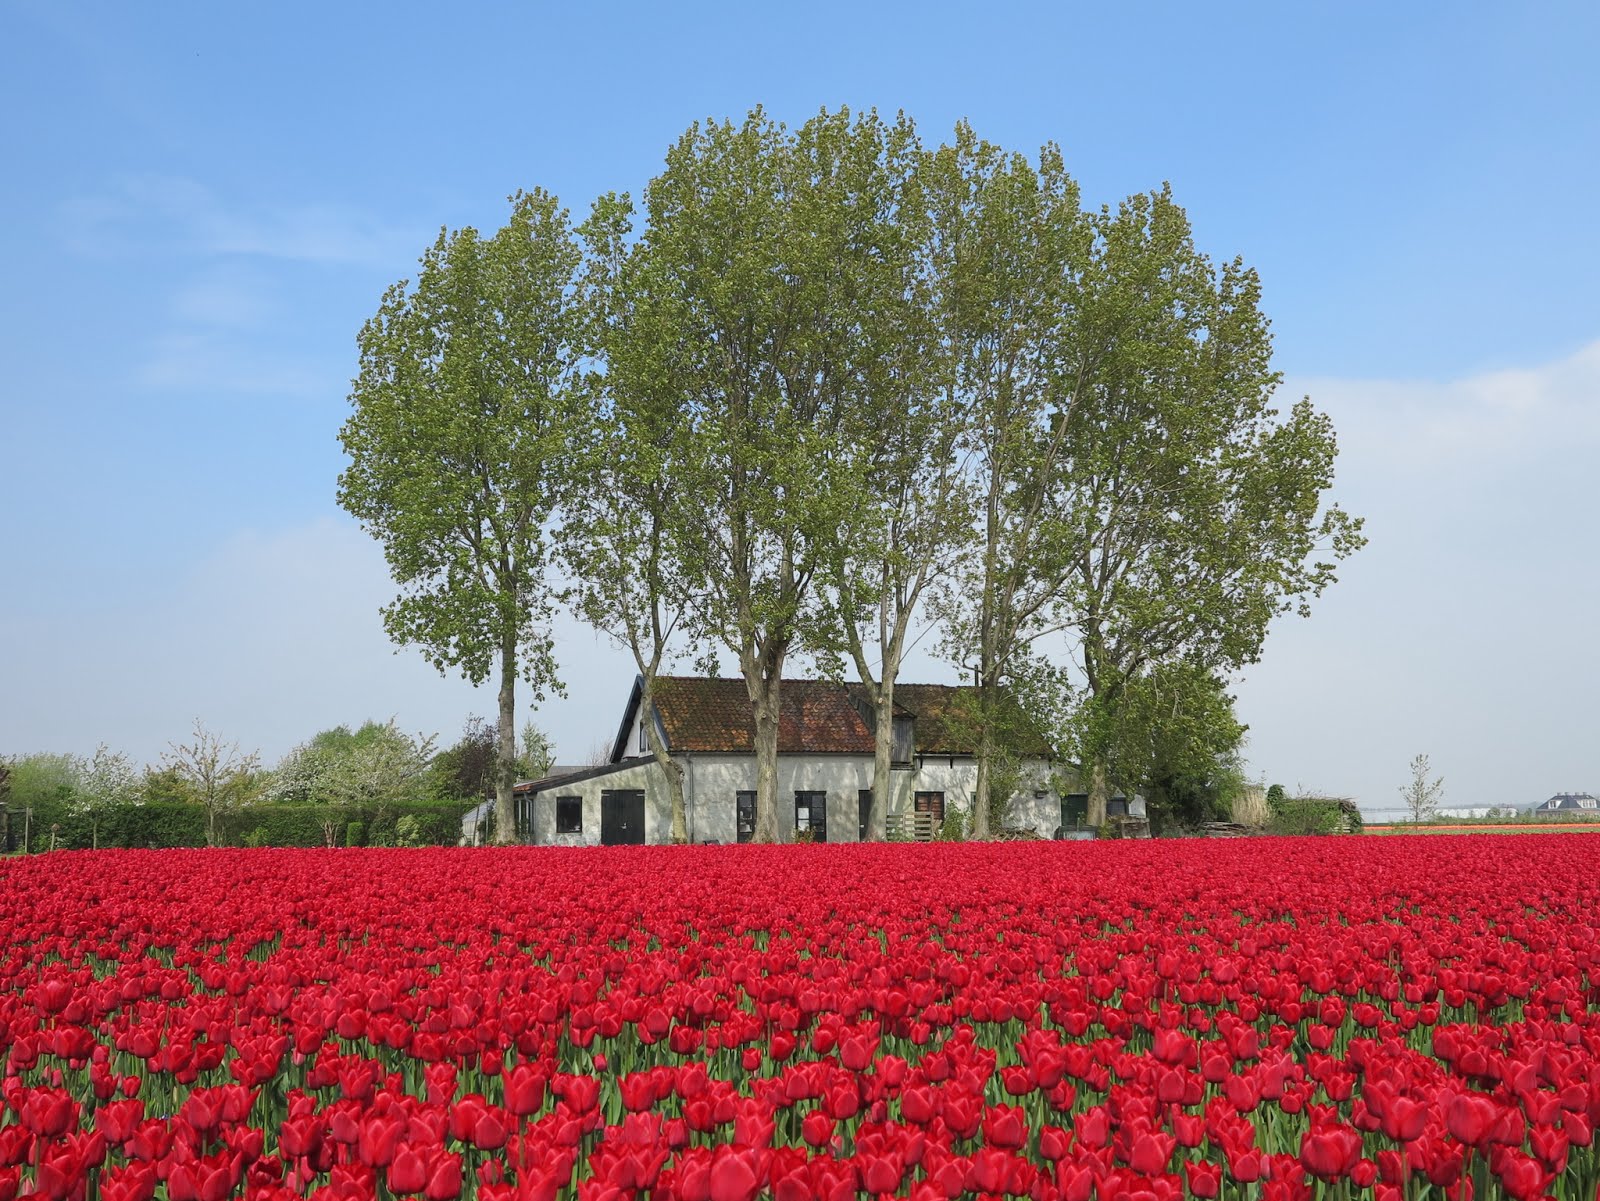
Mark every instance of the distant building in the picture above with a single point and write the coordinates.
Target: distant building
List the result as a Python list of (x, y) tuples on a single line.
[(1576, 804), (825, 764)]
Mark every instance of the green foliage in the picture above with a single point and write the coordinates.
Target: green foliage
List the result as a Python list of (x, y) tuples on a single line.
[(955, 825), (742, 329), (354, 834), (1275, 799), (408, 831), (217, 774), (467, 768), (1421, 795), (464, 409), (1172, 735), (1314, 815), (366, 772), (160, 824), (43, 779)]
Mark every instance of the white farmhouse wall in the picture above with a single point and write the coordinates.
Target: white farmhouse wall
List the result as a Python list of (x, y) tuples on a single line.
[(712, 782), (657, 808)]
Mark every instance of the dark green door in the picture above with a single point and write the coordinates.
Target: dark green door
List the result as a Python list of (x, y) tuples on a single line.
[(1074, 810), (621, 817)]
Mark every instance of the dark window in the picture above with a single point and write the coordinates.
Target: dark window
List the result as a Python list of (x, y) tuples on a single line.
[(644, 744), (811, 813), (901, 743), (1117, 806), (744, 807), (569, 815), (864, 801), (1075, 809)]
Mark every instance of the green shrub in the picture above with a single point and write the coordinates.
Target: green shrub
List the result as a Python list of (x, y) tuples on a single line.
[(1314, 815), (159, 824), (954, 826), (354, 832)]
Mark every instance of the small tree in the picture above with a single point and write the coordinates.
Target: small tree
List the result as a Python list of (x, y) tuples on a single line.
[(1421, 795), (380, 766), (108, 781), (218, 774), (537, 754), (468, 768)]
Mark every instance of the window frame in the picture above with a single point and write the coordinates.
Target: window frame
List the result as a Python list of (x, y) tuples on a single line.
[(744, 802), (818, 830), (576, 804)]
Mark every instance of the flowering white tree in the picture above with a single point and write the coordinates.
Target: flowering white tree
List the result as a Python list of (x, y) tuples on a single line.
[(106, 781), (218, 773)]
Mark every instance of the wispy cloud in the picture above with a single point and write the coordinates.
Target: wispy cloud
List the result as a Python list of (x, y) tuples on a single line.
[(209, 361), (139, 212), (1502, 418)]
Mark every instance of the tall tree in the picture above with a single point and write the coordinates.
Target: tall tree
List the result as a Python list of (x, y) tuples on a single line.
[(217, 774), (615, 540), (1013, 259), (463, 407), (1194, 508), (739, 325), (914, 521)]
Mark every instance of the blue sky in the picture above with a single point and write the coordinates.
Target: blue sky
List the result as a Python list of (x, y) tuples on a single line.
[(201, 206)]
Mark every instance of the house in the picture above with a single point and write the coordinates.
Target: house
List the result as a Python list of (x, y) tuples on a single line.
[(825, 751), (1569, 804)]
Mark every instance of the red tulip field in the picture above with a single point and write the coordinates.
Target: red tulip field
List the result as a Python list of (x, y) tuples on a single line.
[(1397, 1019)]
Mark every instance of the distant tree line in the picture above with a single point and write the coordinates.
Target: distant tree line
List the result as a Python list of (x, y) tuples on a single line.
[(822, 390), (375, 785)]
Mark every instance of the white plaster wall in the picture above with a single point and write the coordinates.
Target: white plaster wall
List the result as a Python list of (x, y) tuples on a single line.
[(657, 807), (712, 781)]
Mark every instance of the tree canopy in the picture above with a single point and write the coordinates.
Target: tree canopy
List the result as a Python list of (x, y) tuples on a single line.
[(818, 376), (461, 421)]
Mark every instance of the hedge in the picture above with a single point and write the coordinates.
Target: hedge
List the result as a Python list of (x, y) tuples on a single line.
[(170, 824)]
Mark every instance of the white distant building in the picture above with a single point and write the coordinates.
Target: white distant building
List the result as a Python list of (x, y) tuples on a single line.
[(1476, 811)]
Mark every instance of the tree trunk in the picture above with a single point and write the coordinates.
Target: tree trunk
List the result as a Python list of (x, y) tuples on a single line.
[(980, 795), (670, 767), (506, 774), (211, 824), (766, 714), (882, 755), (1099, 793)]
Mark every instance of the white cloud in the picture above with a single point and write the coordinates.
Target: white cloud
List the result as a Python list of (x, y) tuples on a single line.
[(143, 211), (1466, 628), (272, 637), (1501, 417)]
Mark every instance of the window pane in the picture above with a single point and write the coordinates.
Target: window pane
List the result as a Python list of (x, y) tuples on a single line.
[(569, 815)]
